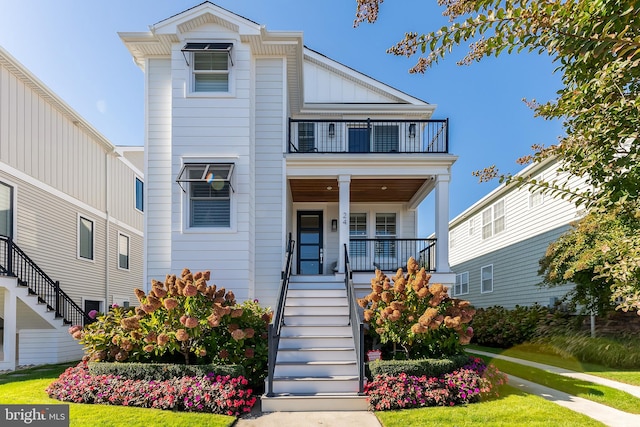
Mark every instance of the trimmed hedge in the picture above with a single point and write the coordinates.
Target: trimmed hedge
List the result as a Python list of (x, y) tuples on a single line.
[(418, 367), (162, 371)]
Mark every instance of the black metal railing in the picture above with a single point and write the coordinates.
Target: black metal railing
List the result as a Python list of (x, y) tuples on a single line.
[(278, 319), (357, 325), (16, 263), (389, 254), (368, 136)]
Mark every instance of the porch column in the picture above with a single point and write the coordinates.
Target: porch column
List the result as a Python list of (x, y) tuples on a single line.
[(344, 184), (442, 224), (9, 339)]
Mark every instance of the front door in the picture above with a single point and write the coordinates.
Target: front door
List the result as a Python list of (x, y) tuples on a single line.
[(310, 250)]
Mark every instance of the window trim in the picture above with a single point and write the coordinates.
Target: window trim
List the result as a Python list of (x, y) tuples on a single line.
[(191, 48), (93, 238), (456, 284), (137, 179), (13, 189), (492, 222), (482, 291), (120, 233), (354, 237)]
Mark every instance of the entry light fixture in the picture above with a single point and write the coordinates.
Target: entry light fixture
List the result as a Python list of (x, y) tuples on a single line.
[(334, 225), (384, 187), (412, 130), (332, 130)]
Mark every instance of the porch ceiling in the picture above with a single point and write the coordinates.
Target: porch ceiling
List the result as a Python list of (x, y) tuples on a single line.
[(361, 190)]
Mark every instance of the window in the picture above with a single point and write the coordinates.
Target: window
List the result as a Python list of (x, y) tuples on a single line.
[(209, 193), (357, 229), (123, 251), (493, 220), (85, 238), (386, 227), (306, 137), (139, 191), (385, 138), (6, 210), (471, 227), (452, 239), (209, 65), (462, 284), (486, 278), (536, 198)]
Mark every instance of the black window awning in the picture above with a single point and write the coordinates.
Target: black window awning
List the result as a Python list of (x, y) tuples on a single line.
[(205, 172), (207, 47)]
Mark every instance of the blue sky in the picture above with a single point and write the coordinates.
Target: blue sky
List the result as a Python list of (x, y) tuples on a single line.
[(74, 48)]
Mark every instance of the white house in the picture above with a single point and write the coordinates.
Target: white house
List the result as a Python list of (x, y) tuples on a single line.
[(495, 244), (251, 137), (70, 221)]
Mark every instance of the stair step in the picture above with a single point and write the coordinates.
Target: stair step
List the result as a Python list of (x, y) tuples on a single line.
[(305, 402), (315, 330), (316, 301), (317, 293), (328, 320)]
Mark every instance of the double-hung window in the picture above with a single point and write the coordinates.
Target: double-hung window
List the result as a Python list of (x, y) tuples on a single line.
[(357, 230), (386, 233), (493, 220), (486, 279), (462, 284), (208, 187), (210, 66), (6, 210)]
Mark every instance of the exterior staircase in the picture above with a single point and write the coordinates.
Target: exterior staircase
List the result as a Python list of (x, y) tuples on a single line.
[(316, 365)]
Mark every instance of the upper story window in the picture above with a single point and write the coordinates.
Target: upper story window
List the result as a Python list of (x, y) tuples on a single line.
[(139, 191), (6, 210), (210, 66), (209, 189), (493, 220), (85, 238), (123, 251)]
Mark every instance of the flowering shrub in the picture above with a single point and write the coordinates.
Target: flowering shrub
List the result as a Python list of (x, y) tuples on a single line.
[(182, 320), (498, 327), (215, 394), (419, 316), (466, 385)]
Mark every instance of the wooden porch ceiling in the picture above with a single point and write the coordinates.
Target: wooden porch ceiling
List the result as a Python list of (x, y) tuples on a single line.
[(361, 190)]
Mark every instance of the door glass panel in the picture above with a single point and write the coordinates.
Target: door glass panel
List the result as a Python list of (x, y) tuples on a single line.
[(309, 267), (309, 221), (309, 252), (307, 237)]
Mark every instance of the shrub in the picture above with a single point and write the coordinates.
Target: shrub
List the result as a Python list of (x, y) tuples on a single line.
[(183, 320), (465, 385), (499, 327), (215, 394), (418, 367), (162, 371), (420, 317)]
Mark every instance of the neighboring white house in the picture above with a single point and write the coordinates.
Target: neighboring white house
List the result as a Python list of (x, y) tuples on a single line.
[(251, 136), (496, 244), (71, 218)]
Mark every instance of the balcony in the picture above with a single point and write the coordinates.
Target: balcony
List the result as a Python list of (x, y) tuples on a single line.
[(368, 136), (389, 254)]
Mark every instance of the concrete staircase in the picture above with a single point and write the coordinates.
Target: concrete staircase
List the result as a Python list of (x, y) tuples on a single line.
[(316, 366)]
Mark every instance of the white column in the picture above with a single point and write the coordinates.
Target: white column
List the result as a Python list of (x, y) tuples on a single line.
[(344, 184), (9, 339), (442, 224)]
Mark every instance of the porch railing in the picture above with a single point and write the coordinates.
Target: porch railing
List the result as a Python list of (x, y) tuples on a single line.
[(389, 254), (16, 263), (278, 320), (357, 326), (368, 136)]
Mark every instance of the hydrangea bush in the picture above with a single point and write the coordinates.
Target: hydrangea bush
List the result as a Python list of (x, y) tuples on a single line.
[(215, 394), (468, 384), (418, 316)]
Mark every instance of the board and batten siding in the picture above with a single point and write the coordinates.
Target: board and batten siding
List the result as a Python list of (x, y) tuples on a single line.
[(159, 183), (123, 194), (218, 129), (268, 178)]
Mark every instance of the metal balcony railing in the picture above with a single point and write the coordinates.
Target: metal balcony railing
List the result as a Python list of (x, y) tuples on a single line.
[(389, 254), (368, 136)]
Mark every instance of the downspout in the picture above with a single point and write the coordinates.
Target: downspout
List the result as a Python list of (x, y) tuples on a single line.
[(108, 228)]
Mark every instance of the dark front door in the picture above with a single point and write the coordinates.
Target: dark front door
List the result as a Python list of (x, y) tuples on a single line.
[(310, 250), (359, 140)]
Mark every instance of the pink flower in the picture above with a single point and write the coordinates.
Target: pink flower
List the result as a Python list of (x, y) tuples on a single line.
[(92, 314)]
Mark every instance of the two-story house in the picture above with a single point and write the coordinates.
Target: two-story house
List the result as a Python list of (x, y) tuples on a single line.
[(253, 139), (71, 216)]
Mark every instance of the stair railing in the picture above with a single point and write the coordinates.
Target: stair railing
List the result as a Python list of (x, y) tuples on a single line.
[(15, 263), (278, 319), (357, 326)]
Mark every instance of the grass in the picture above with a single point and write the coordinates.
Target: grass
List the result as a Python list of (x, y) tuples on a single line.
[(595, 392), (514, 408), (27, 387), (535, 353)]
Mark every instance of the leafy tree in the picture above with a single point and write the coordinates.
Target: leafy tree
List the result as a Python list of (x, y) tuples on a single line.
[(596, 46)]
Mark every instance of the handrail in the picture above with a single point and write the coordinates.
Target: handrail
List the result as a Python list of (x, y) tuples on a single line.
[(390, 253), (357, 325), (278, 320), (16, 263)]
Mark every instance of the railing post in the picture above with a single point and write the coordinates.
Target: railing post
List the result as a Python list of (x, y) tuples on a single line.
[(56, 286), (10, 256)]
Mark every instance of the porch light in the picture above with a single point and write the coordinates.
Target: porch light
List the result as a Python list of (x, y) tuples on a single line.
[(412, 130), (334, 225), (384, 187), (332, 130)]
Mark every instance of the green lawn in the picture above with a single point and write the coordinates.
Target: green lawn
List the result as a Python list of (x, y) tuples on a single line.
[(27, 386), (531, 352), (513, 408)]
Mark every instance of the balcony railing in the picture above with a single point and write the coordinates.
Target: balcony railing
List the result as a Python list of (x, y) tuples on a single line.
[(368, 136), (389, 254)]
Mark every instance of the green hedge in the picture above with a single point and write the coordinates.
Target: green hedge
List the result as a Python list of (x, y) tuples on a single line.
[(418, 367), (161, 371)]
